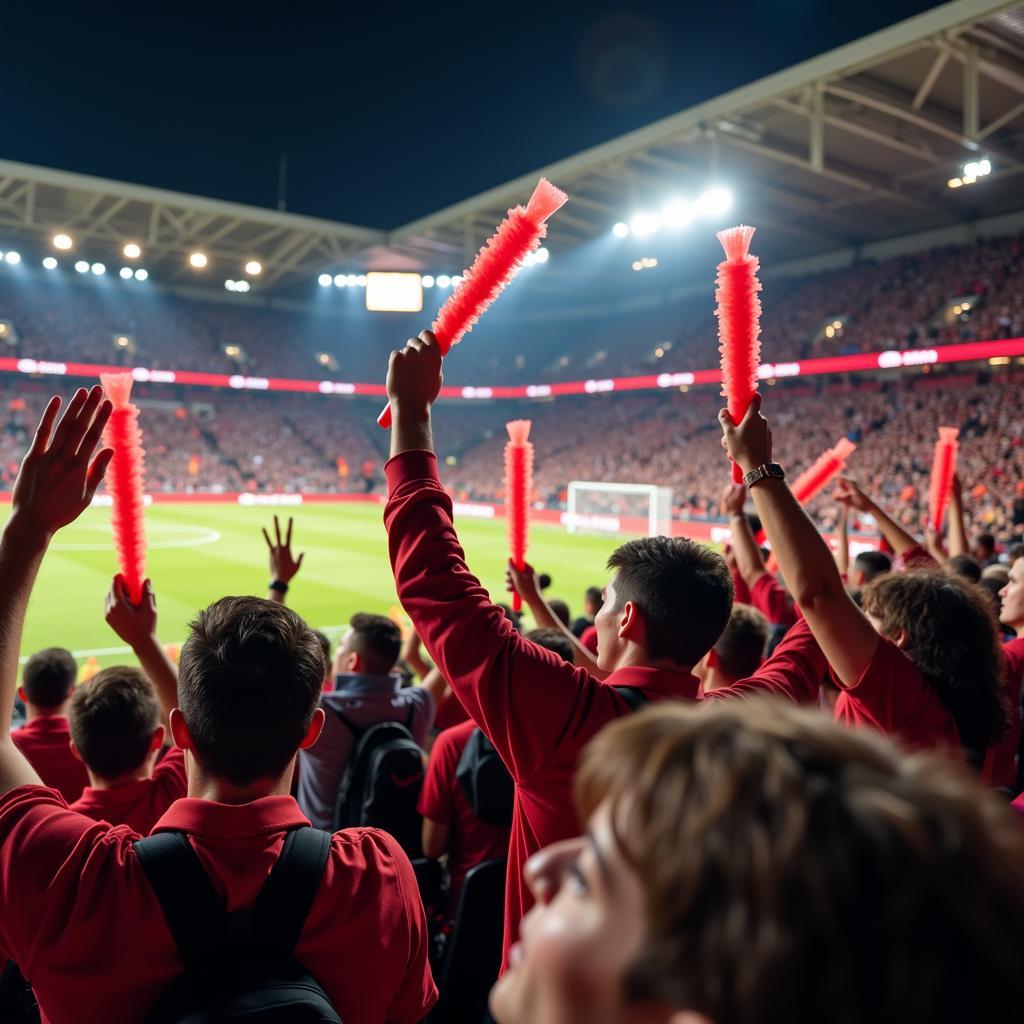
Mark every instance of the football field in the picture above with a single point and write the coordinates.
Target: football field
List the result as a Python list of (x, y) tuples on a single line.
[(199, 552)]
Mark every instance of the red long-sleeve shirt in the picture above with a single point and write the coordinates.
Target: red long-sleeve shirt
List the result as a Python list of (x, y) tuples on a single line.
[(537, 710)]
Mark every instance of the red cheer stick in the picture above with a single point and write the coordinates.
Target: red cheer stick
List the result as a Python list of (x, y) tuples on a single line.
[(943, 468), (518, 488), (739, 329), (816, 478), (496, 264), (125, 482)]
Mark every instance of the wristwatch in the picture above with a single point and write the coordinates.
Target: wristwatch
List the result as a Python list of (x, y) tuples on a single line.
[(772, 470), (279, 586)]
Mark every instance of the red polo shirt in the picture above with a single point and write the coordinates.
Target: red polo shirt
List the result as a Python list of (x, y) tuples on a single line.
[(443, 800), (79, 917), (772, 600), (893, 697), (46, 744), (537, 710), (450, 713), (1000, 766), (139, 804)]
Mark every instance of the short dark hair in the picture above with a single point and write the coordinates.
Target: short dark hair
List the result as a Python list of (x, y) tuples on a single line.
[(872, 564), (966, 566), (560, 610), (741, 646), (1015, 551), (987, 542), (49, 677), (325, 646), (595, 597), (683, 590), (552, 640), (249, 681), (377, 640), (112, 719), (949, 633)]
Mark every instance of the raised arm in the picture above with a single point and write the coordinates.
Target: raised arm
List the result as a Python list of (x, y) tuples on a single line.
[(748, 554), (136, 626), (524, 582), (523, 697), (843, 542), (844, 634), (955, 517), (283, 566), (849, 493), (56, 483), (412, 655)]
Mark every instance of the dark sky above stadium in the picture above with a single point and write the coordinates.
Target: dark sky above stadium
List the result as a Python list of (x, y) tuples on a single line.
[(388, 111)]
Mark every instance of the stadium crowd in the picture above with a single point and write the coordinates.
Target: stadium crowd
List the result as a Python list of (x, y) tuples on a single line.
[(714, 796), (903, 302)]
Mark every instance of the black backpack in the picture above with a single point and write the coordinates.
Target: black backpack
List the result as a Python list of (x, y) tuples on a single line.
[(239, 967), (486, 781), (381, 784)]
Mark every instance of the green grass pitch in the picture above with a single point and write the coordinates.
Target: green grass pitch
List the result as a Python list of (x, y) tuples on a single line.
[(199, 552)]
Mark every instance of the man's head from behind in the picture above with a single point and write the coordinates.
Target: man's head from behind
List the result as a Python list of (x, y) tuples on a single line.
[(115, 724), (592, 601), (866, 566), (248, 689), (984, 547), (738, 652), (553, 640), (48, 679), (668, 602), (370, 646)]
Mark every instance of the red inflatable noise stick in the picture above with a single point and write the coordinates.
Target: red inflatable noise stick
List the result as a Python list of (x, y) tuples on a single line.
[(817, 477), (739, 329), (518, 488), (943, 468), (125, 482), (496, 264)]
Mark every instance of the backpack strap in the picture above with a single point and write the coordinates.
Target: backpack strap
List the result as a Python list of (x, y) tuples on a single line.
[(411, 716), (283, 905), (634, 697), (347, 722), (192, 908)]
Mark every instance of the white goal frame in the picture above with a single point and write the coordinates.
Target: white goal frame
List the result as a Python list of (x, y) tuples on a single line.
[(659, 507)]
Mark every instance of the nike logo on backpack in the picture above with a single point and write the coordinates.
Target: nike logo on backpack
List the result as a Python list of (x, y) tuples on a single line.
[(405, 783)]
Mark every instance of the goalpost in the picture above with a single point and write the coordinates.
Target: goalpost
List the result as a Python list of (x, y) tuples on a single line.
[(618, 508)]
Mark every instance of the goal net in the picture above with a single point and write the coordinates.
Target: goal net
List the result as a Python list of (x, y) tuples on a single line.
[(619, 508)]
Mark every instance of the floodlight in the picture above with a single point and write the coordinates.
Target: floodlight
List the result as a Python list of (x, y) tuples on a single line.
[(644, 224), (621, 230), (62, 241), (339, 280), (443, 281), (324, 280), (98, 269), (126, 273), (141, 274), (131, 251), (82, 267), (197, 260), (254, 268), (50, 263), (427, 281), (714, 202)]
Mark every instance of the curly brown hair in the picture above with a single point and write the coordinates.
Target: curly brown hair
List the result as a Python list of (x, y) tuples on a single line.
[(797, 871), (945, 626)]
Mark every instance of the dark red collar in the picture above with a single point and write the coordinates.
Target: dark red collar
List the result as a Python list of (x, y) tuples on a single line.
[(232, 821)]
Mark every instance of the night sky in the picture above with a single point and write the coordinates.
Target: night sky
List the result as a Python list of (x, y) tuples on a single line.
[(388, 111)]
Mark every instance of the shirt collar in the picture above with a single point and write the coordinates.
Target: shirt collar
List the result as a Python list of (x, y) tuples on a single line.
[(358, 682), (48, 724), (115, 796), (660, 681), (232, 821)]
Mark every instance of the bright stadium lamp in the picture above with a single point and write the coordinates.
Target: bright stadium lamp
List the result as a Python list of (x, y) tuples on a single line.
[(714, 202), (351, 280), (677, 214), (443, 281), (12, 257), (141, 274), (427, 281), (62, 241), (457, 280), (361, 280), (82, 267), (644, 224), (99, 269), (126, 273), (324, 280), (542, 255), (197, 260), (254, 268), (339, 281), (131, 251), (50, 263), (621, 230)]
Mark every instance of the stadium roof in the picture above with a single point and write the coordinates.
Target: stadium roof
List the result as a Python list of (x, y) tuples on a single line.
[(851, 147)]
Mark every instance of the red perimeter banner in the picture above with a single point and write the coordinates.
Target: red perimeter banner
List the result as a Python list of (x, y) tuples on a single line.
[(858, 363)]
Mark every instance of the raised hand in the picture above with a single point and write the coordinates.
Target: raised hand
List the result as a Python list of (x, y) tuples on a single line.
[(135, 624), (749, 442), (283, 566), (849, 494), (734, 497), (59, 475), (523, 582), (414, 376)]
